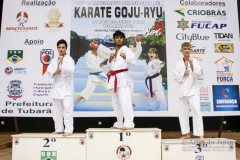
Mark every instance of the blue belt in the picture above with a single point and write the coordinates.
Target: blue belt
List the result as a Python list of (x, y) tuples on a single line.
[(99, 75)]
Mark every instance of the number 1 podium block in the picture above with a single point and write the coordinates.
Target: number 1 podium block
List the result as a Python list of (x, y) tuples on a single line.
[(191, 149), (48, 147), (113, 144)]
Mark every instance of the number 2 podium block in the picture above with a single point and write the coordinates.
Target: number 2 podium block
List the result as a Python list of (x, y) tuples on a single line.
[(48, 147), (113, 144), (191, 149)]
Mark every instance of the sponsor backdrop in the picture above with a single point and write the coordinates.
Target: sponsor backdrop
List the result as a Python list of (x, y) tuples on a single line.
[(31, 28)]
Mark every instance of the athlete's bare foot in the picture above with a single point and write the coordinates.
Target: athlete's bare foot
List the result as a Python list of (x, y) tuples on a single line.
[(57, 132), (201, 139), (126, 128), (67, 134), (186, 136)]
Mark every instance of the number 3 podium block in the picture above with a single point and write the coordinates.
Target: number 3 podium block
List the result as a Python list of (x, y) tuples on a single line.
[(191, 149), (113, 144), (48, 147)]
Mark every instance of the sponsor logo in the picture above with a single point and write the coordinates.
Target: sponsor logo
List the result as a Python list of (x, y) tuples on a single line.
[(15, 56), (38, 3), (195, 50), (48, 155), (201, 3), (54, 16), (22, 18), (8, 70), (207, 25), (42, 89), (15, 89), (224, 73), (46, 55), (20, 70), (199, 157), (124, 152), (205, 106), (182, 24), (224, 47), (211, 13), (33, 42), (223, 36), (191, 37), (226, 97), (204, 93)]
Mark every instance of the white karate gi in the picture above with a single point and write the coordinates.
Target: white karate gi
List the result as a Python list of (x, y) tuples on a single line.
[(189, 97), (96, 75), (153, 68), (122, 100), (62, 93)]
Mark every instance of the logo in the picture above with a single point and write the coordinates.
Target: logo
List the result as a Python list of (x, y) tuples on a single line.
[(124, 152), (212, 13), (156, 135), (20, 70), (195, 50), (180, 11), (15, 56), (224, 47), (15, 89), (201, 3), (22, 18), (90, 135), (224, 36), (191, 37), (204, 93), (46, 55), (166, 148), (38, 3), (16, 141), (199, 157), (207, 25), (8, 70), (54, 16), (48, 155), (224, 73), (182, 24), (33, 42), (226, 97), (225, 92)]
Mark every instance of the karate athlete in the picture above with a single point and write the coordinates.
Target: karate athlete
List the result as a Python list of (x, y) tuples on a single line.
[(119, 82), (186, 73), (61, 70), (154, 80), (96, 74)]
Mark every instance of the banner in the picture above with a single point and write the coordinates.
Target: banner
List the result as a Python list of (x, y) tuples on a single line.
[(31, 29)]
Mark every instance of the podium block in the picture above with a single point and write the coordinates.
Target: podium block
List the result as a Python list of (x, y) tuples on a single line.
[(213, 148), (113, 144), (48, 147)]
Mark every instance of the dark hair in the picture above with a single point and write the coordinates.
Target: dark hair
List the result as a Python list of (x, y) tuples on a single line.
[(118, 33), (62, 41)]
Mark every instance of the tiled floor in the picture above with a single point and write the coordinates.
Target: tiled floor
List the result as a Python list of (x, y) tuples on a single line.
[(6, 150)]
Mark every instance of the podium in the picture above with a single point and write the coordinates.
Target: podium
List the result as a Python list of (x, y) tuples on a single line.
[(48, 147), (113, 144), (191, 149)]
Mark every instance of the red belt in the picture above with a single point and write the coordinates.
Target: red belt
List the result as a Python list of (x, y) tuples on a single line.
[(113, 73)]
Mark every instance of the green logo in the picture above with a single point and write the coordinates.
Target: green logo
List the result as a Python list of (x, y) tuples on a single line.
[(48, 155), (15, 55)]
